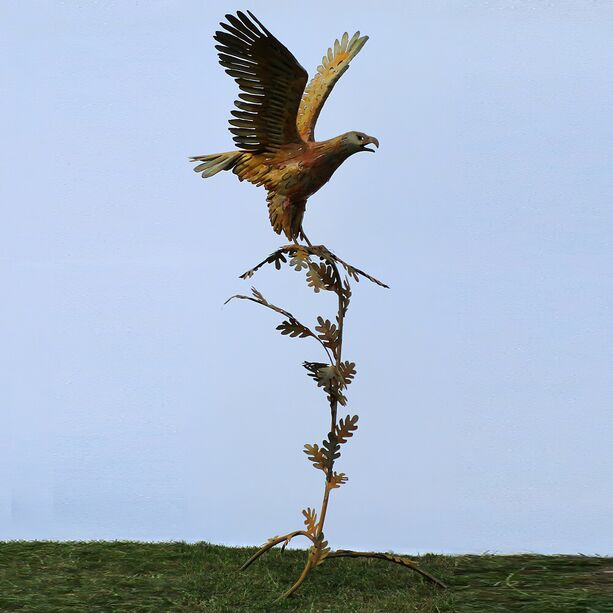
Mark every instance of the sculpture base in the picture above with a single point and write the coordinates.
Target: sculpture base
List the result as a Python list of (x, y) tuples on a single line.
[(314, 559)]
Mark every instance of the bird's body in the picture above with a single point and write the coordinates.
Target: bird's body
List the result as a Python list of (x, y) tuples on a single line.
[(274, 125)]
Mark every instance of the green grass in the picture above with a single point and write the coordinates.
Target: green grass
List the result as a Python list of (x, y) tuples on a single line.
[(112, 577)]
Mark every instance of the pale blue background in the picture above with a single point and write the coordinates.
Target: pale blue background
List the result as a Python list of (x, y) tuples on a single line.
[(134, 405)]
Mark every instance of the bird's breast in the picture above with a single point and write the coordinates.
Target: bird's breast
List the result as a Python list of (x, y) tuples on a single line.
[(303, 175)]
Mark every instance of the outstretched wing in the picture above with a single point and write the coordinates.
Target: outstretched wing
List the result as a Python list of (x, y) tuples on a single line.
[(333, 65), (271, 82)]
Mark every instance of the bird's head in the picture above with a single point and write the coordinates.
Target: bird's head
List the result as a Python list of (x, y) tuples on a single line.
[(358, 141)]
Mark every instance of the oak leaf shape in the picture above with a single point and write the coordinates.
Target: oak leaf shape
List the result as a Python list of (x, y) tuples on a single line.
[(337, 480), (310, 520), (294, 329), (347, 371), (321, 276), (316, 455), (299, 259), (328, 333)]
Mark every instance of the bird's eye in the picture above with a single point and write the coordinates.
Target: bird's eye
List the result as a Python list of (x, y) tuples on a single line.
[(360, 137)]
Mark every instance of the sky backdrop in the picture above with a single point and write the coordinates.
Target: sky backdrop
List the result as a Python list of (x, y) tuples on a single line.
[(136, 406)]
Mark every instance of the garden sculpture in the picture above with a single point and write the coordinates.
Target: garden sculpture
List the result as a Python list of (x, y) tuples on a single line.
[(273, 129)]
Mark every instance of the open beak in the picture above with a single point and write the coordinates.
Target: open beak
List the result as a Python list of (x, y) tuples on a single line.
[(370, 140)]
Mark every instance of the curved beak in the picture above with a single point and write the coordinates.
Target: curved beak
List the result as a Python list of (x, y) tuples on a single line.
[(370, 140)]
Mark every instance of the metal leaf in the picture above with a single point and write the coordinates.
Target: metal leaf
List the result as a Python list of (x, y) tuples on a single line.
[(294, 329), (328, 377), (316, 455), (310, 520), (320, 550), (277, 258), (328, 333), (337, 480), (339, 397), (346, 296), (347, 371), (314, 280), (313, 367), (321, 276), (258, 296), (352, 271), (345, 428), (331, 449), (291, 326), (299, 259)]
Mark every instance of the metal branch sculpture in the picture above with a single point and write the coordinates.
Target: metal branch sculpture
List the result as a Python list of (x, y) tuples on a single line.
[(334, 376), (274, 129)]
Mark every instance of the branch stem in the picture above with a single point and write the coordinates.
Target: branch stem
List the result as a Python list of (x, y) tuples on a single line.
[(319, 551), (334, 398)]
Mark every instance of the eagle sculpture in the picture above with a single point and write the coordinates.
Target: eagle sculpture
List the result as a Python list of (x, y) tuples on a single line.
[(274, 125)]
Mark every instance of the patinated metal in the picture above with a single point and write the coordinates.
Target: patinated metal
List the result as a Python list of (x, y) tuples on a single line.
[(274, 130), (274, 125)]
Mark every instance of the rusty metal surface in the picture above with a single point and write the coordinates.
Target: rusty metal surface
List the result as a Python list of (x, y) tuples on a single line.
[(322, 272), (274, 130)]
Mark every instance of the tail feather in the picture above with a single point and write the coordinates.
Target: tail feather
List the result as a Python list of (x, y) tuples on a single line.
[(212, 164)]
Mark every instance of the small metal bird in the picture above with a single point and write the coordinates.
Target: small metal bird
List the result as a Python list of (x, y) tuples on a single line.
[(274, 125)]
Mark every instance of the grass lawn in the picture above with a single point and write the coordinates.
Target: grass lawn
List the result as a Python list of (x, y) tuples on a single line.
[(110, 577)]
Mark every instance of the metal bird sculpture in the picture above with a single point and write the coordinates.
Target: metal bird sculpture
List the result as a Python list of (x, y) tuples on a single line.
[(274, 125), (273, 130)]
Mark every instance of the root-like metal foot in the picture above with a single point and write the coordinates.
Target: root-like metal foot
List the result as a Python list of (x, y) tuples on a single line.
[(300, 581), (272, 542), (345, 553), (340, 553)]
